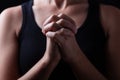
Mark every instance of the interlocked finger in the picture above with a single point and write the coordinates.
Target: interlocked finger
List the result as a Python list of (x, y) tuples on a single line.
[(51, 27), (60, 36), (66, 24), (51, 19), (63, 16)]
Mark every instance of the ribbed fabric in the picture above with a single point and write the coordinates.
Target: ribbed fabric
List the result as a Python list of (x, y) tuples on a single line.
[(90, 37)]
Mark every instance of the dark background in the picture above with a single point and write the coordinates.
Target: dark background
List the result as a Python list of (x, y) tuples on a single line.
[(8, 3), (111, 2)]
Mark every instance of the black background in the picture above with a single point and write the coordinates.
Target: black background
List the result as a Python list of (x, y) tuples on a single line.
[(8, 3)]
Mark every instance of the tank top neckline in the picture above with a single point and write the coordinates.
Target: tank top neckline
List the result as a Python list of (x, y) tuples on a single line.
[(80, 27)]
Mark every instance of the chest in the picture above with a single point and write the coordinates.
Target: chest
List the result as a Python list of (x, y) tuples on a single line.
[(77, 13)]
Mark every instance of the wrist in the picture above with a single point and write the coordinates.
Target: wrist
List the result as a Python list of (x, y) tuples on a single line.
[(75, 57), (74, 61), (54, 59)]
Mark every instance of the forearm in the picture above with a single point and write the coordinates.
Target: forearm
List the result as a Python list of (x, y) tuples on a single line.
[(83, 69), (41, 70)]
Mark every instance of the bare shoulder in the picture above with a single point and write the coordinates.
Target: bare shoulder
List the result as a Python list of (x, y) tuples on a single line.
[(110, 17), (11, 18)]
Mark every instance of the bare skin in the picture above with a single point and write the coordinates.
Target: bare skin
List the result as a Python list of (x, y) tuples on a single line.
[(9, 33)]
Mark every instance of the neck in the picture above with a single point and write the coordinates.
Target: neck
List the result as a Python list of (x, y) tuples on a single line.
[(61, 4), (64, 3)]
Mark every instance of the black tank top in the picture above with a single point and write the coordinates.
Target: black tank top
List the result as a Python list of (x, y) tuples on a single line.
[(32, 43)]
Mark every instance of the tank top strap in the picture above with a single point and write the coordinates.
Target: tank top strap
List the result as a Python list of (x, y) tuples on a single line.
[(94, 17), (28, 17), (94, 8)]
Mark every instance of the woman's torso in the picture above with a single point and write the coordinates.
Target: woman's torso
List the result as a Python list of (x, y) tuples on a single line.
[(90, 37)]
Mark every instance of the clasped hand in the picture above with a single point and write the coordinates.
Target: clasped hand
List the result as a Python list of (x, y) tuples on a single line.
[(60, 31)]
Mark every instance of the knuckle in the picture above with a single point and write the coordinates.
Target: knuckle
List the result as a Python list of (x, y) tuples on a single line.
[(60, 21), (66, 31), (52, 16), (61, 15), (62, 30), (48, 20), (48, 27), (52, 25), (55, 35)]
